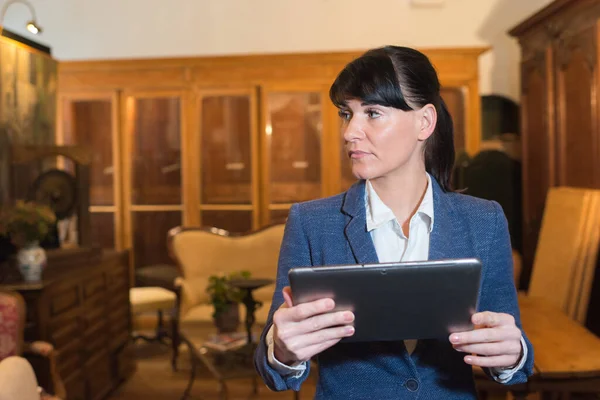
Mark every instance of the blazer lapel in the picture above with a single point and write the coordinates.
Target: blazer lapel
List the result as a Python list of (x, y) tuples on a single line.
[(448, 230), (356, 232)]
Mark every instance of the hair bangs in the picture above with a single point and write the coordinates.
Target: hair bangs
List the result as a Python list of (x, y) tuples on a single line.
[(371, 79)]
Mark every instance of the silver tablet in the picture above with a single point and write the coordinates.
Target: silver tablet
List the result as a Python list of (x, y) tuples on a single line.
[(396, 301)]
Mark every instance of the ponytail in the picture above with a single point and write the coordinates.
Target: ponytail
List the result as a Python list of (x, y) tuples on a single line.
[(439, 148)]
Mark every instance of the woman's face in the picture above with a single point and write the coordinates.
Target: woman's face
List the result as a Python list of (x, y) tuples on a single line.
[(384, 141)]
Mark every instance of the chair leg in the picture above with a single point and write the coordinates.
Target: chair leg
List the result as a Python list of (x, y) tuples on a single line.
[(175, 340)]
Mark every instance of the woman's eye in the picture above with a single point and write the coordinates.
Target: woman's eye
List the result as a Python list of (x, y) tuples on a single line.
[(373, 114), (345, 115)]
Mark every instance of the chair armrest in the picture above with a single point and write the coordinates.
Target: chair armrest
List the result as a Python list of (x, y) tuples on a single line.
[(47, 352)]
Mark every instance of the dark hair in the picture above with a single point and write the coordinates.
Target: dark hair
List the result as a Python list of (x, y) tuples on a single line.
[(402, 78)]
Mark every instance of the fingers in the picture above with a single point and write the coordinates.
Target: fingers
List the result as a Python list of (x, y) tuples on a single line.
[(492, 319), (486, 335), (495, 361), (304, 311), (492, 349), (287, 296), (303, 347), (311, 324), (308, 352)]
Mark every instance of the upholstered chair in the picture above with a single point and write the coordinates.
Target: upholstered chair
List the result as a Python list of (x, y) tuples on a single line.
[(17, 379), (202, 252)]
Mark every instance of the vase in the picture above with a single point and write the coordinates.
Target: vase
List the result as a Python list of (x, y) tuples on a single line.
[(228, 320), (31, 260)]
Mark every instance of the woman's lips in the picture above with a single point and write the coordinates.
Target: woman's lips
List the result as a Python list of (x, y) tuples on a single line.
[(357, 154)]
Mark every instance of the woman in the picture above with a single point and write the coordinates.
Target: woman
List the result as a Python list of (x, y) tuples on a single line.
[(399, 136)]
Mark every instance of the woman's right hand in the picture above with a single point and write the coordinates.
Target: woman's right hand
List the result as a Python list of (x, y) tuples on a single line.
[(307, 329)]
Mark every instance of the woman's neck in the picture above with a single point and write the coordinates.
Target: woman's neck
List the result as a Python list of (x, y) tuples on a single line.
[(402, 193)]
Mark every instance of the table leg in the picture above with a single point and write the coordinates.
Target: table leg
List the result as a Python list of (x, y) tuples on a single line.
[(251, 306), (188, 389)]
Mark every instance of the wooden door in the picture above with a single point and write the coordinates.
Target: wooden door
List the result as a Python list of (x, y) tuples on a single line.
[(228, 159), (156, 183), (91, 120)]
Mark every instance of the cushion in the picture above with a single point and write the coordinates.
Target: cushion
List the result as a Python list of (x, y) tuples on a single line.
[(17, 380), (144, 299)]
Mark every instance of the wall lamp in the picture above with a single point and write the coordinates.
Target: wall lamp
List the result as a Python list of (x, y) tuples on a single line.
[(32, 25)]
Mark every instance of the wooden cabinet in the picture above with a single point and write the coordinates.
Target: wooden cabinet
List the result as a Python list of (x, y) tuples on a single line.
[(559, 98), (82, 308), (229, 142)]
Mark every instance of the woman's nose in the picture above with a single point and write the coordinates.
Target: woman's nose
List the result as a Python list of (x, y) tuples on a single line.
[(353, 131)]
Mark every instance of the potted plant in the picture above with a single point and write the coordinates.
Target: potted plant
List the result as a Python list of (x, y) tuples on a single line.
[(225, 300), (26, 224)]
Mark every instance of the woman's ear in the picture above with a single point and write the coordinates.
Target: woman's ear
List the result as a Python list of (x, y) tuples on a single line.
[(427, 121)]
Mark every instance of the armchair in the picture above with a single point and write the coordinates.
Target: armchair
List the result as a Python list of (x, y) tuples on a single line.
[(13, 348)]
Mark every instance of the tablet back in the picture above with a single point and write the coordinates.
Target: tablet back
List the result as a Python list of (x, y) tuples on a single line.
[(396, 301)]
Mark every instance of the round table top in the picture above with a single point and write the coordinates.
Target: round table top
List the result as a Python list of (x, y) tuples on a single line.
[(250, 283)]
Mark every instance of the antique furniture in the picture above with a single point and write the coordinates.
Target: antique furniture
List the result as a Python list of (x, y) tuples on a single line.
[(249, 286), (200, 253), (567, 355), (12, 317), (559, 106), (232, 364), (81, 307), (228, 142), (159, 300)]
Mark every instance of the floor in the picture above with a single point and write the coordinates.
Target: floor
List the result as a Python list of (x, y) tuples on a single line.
[(155, 380)]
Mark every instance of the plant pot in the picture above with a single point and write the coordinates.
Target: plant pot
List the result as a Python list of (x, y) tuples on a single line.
[(228, 320), (31, 260)]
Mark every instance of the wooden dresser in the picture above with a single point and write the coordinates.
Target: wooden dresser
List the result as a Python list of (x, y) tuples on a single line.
[(82, 308)]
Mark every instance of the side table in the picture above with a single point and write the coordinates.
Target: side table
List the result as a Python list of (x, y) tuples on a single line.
[(234, 364)]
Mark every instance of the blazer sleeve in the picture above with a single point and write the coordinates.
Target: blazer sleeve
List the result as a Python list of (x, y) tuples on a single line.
[(498, 290), (294, 252)]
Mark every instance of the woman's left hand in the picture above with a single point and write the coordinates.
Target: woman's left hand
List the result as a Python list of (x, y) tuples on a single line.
[(495, 341)]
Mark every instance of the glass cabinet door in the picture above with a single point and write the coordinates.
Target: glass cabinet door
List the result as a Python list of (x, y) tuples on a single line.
[(153, 179), (90, 120), (228, 149), (292, 149)]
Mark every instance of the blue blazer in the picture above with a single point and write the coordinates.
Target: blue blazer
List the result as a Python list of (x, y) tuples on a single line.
[(333, 231)]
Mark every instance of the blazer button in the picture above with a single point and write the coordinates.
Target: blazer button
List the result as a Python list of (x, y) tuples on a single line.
[(412, 385)]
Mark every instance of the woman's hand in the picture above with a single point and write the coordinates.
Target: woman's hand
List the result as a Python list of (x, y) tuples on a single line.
[(307, 329), (495, 341)]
